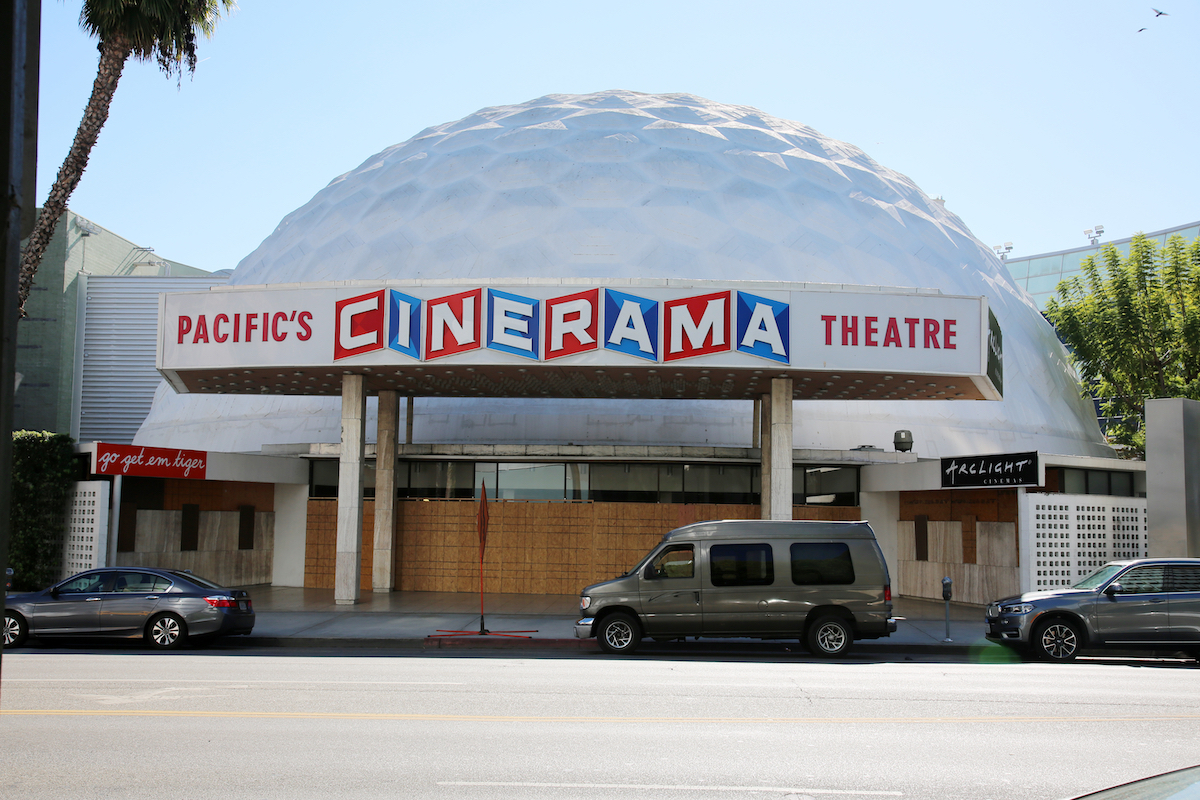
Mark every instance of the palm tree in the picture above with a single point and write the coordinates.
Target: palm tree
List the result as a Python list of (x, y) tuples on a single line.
[(160, 30)]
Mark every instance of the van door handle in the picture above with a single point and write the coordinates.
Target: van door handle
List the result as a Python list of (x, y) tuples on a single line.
[(151, 597), (696, 595)]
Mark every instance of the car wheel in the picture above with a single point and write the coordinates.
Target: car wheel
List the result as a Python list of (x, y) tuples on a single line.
[(619, 634), (1057, 640), (166, 632), (16, 630), (829, 636)]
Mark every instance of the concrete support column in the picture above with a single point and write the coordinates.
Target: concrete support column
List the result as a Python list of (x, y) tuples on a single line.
[(756, 424), (777, 450), (762, 435), (114, 524), (383, 577), (408, 419), (348, 566), (1173, 477)]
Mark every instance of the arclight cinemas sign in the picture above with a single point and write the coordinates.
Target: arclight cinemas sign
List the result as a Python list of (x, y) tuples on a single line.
[(557, 323)]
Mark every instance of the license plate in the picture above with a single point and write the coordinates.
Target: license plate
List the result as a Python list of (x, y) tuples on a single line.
[(242, 605)]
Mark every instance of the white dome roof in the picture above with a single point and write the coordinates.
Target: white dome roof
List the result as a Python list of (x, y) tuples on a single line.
[(621, 184)]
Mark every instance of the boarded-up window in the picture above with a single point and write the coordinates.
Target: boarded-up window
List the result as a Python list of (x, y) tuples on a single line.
[(921, 535), (245, 527), (970, 541), (127, 528), (190, 536)]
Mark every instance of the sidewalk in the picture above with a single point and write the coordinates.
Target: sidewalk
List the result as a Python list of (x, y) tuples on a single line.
[(293, 617)]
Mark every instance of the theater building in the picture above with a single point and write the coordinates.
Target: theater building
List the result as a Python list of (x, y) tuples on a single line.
[(620, 313)]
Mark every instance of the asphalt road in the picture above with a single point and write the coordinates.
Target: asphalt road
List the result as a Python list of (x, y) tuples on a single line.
[(120, 723)]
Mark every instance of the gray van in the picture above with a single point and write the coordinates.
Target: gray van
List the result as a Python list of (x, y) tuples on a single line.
[(824, 583)]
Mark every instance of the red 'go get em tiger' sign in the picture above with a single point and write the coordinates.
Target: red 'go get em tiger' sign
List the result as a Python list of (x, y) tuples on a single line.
[(153, 462)]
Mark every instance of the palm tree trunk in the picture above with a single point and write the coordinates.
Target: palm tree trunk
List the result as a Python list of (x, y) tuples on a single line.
[(113, 53)]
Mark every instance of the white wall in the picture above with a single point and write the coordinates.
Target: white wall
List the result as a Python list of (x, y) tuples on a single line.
[(882, 510), (1066, 537), (291, 522)]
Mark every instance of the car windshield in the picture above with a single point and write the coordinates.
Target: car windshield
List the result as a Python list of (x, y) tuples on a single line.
[(1099, 577)]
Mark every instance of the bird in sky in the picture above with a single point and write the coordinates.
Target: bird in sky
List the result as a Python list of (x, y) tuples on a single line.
[(1158, 13), (1141, 29)]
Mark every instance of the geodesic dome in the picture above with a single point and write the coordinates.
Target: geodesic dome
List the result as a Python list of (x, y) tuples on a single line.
[(621, 184)]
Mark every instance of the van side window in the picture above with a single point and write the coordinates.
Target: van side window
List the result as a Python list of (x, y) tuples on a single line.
[(677, 561), (821, 563), (741, 565)]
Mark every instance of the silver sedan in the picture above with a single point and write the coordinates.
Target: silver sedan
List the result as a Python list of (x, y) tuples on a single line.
[(165, 607)]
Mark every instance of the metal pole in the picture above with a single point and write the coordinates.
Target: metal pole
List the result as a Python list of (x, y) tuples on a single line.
[(20, 27), (947, 593)]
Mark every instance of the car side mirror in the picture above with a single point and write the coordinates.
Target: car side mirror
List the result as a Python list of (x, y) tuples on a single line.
[(1112, 589)]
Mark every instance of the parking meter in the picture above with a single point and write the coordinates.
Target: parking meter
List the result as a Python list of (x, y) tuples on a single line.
[(947, 593)]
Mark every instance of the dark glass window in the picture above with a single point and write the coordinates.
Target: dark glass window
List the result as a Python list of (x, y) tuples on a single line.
[(821, 564), (196, 579), (670, 483), (1142, 580), (630, 482), (443, 479), (91, 582), (626, 483), (1074, 481), (140, 582), (1184, 579), (741, 565), (531, 482), (677, 561), (1097, 482), (716, 483), (578, 480), (828, 486), (322, 478)]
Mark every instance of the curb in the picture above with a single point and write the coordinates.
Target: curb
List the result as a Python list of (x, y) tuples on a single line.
[(493, 642)]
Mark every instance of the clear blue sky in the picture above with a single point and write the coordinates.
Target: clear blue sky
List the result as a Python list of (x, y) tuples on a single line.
[(1035, 120)]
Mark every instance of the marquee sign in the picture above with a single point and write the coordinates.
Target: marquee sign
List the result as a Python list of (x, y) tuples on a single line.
[(569, 326), (1009, 469), (154, 462)]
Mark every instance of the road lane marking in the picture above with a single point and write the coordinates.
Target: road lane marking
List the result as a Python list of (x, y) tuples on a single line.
[(238, 684), (98, 712), (668, 787)]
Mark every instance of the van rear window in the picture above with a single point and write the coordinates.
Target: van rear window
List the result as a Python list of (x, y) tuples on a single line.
[(741, 565), (821, 563)]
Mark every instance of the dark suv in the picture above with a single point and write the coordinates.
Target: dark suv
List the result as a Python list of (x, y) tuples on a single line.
[(1137, 604)]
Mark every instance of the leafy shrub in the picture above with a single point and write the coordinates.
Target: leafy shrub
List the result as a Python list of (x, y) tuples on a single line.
[(42, 474)]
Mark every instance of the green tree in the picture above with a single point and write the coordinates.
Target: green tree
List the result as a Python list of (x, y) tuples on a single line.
[(43, 469), (147, 30), (1133, 326)]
